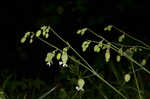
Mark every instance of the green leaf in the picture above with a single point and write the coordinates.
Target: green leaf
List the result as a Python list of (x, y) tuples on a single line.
[(47, 93)]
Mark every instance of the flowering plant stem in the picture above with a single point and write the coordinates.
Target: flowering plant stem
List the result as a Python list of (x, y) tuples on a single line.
[(121, 31), (87, 66), (136, 81), (116, 49)]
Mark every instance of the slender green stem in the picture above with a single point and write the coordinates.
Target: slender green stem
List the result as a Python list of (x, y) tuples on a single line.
[(72, 48), (49, 44), (131, 59), (136, 81), (131, 36), (99, 36), (93, 71), (45, 94), (122, 45)]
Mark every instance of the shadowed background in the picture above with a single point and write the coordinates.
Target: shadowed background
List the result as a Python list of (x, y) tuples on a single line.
[(65, 16)]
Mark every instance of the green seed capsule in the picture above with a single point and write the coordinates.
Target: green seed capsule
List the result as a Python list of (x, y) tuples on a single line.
[(143, 62), (81, 83), (23, 40), (38, 33), (127, 77), (120, 39), (30, 41), (107, 55), (58, 56), (46, 35), (118, 58)]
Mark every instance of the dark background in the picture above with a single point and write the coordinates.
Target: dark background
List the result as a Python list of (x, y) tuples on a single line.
[(65, 16)]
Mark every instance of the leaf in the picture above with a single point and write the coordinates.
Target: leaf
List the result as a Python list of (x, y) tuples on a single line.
[(47, 93)]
